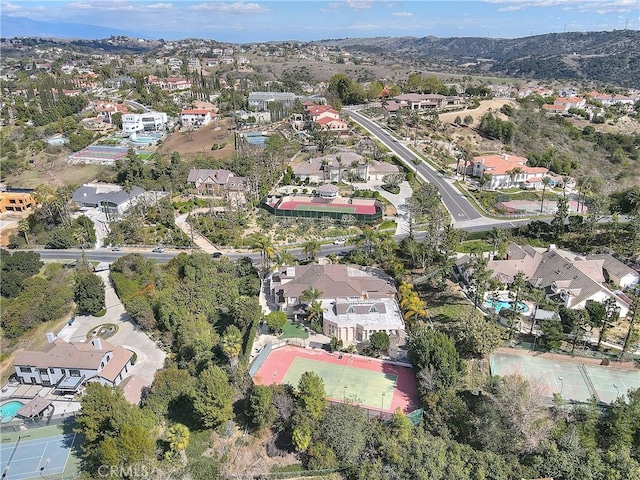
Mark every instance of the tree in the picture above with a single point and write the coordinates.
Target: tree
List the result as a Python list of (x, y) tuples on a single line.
[(89, 293), (264, 245), (178, 437), (276, 321), (170, 389), (435, 357), (477, 336), (632, 333), (546, 181), (301, 437), (231, 344), (560, 217), (261, 410), (311, 248), (311, 395), (213, 399), (310, 295), (552, 335), (344, 429), (379, 341)]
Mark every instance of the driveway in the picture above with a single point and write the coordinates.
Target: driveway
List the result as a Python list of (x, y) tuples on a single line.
[(150, 356)]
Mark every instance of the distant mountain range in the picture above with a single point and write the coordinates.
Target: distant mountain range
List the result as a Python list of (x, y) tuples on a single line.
[(26, 27), (606, 57)]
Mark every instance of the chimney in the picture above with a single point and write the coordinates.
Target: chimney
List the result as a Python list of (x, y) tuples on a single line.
[(291, 271), (97, 342), (552, 246), (51, 337)]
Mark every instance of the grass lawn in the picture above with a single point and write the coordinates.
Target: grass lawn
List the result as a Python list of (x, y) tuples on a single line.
[(291, 330), (448, 307)]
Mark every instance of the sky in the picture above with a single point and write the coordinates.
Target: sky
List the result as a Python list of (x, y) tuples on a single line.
[(305, 20)]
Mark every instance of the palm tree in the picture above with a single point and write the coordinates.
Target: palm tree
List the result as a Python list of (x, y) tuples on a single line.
[(314, 312), (339, 160), (310, 295), (546, 181), (354, 170), (324, 163), (178, 436), (264, 245), (231, 344), (496, 235), (513, 174), (284, 257), (24, 227), (311, 248)]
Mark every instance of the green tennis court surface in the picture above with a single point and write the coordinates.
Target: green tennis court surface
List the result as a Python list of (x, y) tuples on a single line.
[(317, 208), (574, 381), (30, 458), (365, 387)]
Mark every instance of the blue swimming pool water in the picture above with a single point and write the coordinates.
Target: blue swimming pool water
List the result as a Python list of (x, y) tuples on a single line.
[(8, 410), (498, 305)]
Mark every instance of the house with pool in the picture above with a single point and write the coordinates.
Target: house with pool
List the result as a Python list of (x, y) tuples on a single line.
[(66, 366), (564, 276)]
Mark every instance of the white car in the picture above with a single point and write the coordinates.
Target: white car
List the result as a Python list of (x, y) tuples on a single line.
[(340, 241)]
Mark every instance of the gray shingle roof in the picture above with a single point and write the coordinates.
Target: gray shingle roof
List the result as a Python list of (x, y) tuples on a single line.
[(612, 265), (95, 194)]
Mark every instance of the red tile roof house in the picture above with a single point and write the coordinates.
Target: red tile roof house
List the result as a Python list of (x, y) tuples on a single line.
[(210, 182), (67, 365), (501, 167), (195, 118), (357, 302), (563, 104)]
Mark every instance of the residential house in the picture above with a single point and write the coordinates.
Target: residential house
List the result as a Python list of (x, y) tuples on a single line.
[(16, 201), (419, 101), (215, 182), (356, 302), (337, 166), (261, 100), (106, 110), (324, 118), (134, 123), (67, 365), (169, 84), (107, 197), (195, 118), (563, 104), (507, 171), (608, 99), (621, 275), (563, 276)]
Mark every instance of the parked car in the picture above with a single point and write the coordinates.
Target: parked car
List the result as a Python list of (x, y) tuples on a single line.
[(158, 250), (216, 254), (117, 248), (340, 241)]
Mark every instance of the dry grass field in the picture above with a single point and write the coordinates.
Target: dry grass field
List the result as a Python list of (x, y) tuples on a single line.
[(200, 141)]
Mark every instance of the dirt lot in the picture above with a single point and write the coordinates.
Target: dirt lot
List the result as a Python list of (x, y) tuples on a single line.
[(52, 169), (200, 141), (492, 105)]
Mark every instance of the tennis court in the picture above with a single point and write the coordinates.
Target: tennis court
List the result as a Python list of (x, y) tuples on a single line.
[(572, 379), (327, 207), (47, 457), (367, 382)]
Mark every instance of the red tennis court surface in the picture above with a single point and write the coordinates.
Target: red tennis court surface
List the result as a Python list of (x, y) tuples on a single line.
[(339, 372), (325, 207)]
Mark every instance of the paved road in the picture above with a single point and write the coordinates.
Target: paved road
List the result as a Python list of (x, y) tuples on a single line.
[(456, 203)]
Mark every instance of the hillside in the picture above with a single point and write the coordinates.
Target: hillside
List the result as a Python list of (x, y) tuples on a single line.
[(604, 57)]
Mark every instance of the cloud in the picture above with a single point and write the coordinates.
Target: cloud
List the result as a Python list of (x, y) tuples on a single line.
[(240, 8), (364, 26), (592, 6), (359, 4), (7, 7), (402, 14)]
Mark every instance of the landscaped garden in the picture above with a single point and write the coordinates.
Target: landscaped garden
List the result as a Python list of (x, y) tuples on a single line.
[(293, 330)]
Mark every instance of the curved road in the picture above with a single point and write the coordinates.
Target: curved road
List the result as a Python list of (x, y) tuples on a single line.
[(460, 209)]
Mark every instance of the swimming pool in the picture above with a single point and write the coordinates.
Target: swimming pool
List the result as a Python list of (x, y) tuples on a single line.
[(498, 305), (256, 139), (8, 410)]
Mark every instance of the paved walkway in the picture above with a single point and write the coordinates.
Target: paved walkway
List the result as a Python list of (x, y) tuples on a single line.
[(200, 240), (150, 356), (398, 201)]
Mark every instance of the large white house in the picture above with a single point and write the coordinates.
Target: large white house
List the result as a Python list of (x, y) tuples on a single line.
[(338, 166), (356, 302), (67, 365), (134, 123), (195, 118), (507, 171)]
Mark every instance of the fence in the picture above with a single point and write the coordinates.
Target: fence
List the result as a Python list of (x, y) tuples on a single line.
[(360, 217), (260, 358)]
